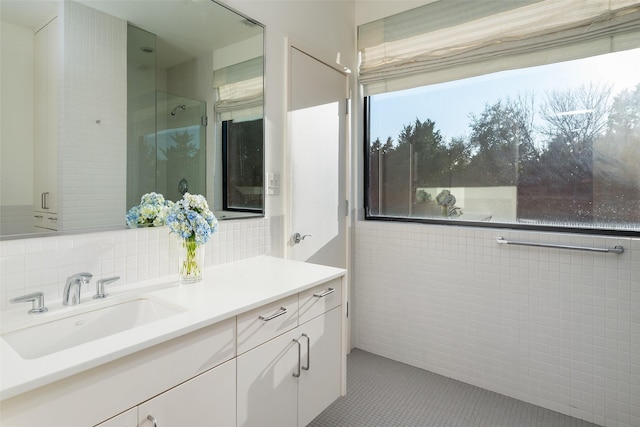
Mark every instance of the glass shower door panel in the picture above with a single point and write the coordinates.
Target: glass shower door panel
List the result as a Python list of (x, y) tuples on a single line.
[(181, 150)]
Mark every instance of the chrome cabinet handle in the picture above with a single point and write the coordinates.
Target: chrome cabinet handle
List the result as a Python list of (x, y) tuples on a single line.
[(325, 293), (153, 420), (297, 373), (306, 368), (278, 313), (44, 200), (37, 299)]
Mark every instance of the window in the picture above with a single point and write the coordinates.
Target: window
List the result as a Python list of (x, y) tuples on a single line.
[(242, 165), (553, 146)]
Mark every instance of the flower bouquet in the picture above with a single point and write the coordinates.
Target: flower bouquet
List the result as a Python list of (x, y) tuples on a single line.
[(191, 220), (151, 212)]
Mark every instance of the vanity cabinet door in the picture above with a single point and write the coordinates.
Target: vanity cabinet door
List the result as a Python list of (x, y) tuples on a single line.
[(319, 383), (267, 389), (268, 392), (207, 400), (126, 419)]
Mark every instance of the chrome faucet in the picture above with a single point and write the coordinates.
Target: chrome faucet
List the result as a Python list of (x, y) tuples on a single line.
[(71, 294)]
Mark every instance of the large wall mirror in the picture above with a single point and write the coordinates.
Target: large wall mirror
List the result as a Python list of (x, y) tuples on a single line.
[(104, 101)]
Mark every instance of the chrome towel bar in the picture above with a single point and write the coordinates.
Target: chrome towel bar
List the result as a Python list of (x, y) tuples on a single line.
[(615, 249)]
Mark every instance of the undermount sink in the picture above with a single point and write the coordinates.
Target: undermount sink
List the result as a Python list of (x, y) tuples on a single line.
[(47, 338)]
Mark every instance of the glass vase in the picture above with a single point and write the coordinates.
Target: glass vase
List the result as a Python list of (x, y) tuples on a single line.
[(190, 261)]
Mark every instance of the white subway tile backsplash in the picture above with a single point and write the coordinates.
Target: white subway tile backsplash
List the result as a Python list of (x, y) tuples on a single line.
[(43, 263), (553, 327)]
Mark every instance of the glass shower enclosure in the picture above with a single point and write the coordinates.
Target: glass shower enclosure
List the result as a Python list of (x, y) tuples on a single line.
[(166, 133), (180, 140)]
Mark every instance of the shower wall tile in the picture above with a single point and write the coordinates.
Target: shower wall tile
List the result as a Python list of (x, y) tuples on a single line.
[(43, 264), (553, 327), (94, 100)]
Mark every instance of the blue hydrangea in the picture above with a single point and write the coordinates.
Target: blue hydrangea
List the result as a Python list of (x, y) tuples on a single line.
[(152, 211), (191, 218)]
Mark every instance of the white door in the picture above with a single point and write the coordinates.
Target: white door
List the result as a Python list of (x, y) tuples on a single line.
[(317, 135)]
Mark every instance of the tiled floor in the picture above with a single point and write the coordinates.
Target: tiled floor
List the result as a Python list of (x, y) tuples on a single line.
[(382, 392)]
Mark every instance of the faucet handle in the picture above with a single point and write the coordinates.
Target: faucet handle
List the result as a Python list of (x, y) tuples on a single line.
[(100, 284), (38, 302)]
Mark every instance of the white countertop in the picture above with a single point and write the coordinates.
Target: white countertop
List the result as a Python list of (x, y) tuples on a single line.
[(225, 291)]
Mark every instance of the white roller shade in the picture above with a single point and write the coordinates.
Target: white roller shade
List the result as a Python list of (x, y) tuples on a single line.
[(239, 90), (454, 39)]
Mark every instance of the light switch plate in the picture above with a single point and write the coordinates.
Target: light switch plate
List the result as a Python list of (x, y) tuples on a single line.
[(273, 183)]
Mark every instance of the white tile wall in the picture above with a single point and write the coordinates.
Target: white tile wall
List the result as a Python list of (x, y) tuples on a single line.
[(93, 137), (43, 264), (557, 328)]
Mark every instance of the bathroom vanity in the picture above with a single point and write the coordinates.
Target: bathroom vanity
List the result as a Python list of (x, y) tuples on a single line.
[(257, 342)]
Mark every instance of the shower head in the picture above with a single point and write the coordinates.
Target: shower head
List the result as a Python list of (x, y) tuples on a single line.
[(178, 107)]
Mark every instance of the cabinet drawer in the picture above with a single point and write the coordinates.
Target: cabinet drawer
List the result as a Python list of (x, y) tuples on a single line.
[(264, 323), (39, 219), (51, 221), (320, 299), (47, 220)]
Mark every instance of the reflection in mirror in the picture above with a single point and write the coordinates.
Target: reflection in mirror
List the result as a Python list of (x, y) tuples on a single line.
[(146, 96), (166, 133), (242, 166)]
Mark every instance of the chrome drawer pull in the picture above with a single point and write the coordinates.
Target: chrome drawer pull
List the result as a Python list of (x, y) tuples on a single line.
[(297, 373), (325, 293), (153, 420), (274, 315), (306, 368)]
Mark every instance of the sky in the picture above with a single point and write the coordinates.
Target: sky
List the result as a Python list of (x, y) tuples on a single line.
[(450, 104)]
